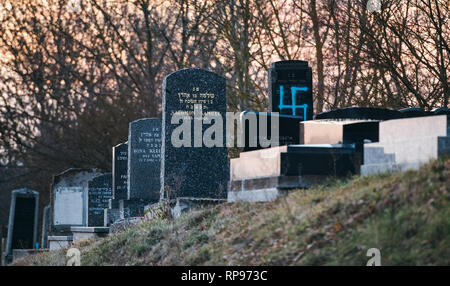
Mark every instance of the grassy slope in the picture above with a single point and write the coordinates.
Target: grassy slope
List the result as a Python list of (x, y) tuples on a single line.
[(406, 216)]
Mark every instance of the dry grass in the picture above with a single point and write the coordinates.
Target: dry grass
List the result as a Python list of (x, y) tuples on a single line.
[(406, 216)]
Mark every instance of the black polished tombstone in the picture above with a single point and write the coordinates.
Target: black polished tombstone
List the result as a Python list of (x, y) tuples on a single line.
[(99, 194), (23, 221), (120, 171), (144, 159), (287, 126), (290, 88), (194, 171)]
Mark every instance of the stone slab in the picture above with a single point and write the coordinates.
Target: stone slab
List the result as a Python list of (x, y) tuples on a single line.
[(92, 233), (414, 128), (269, 188), (338, 132), (296, 160), (56, 242)]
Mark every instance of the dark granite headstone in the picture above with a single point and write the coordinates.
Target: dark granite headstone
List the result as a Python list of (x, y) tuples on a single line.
[(290, 88), (288, 132), (372, 113), (198, 171), (23, 221), (120, 171), (144, 159), (99, 194)]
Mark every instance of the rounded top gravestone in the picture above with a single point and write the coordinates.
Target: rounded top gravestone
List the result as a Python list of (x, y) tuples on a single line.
[(191, 166), (23, 220)]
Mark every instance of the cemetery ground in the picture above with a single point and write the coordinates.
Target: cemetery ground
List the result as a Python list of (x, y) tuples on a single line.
[(405, 215)]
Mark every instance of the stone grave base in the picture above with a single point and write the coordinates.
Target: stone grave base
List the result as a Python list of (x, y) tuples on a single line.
[(407, 144), (132, 208), (123, 224), (92, 233), (268, 188), (265, 174), (297, 160), (20, 253), (182, 205), (111, 215), (59, 242)]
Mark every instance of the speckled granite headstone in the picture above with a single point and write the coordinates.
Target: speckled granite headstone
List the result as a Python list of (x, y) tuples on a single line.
[(144, 159), (290, 88), (119, 171), (99, 194), (198, 172)]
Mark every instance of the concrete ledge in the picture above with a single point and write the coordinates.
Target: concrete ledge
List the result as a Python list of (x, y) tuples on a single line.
[(92, 233), (90, 229), (263, 195), (59, 242), (269, 188)]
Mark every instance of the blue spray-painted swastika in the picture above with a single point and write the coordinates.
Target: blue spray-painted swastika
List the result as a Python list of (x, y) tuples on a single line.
[(293, 106)]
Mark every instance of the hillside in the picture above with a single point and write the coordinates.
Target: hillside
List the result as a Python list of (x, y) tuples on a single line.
[(406, 216)]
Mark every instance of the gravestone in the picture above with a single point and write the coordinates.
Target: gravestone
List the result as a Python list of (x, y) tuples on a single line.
[(290, 88), (284, 131), (69, 200), (99, 194), (23, 221), (193, 169), (144, 159), (120, 172), (45, 227)]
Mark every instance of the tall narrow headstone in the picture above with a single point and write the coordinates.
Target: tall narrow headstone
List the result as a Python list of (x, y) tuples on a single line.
[(144, 159), (290, 88), (99, 194), (196, 168), (69, 200), (23, 221), (120, 171), (45, 227)]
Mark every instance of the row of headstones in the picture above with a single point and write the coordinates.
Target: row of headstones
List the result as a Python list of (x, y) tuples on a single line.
[(149, 166)]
